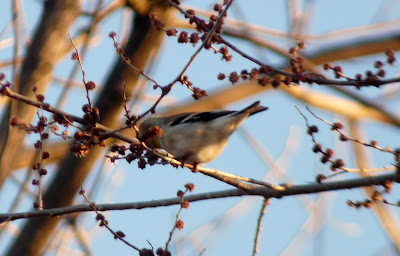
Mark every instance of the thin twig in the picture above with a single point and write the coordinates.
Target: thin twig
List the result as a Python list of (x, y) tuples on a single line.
[(387, 150), (260, 219), (166, 89), (61, 99), (174, 227), (105, 222), (308, 79), (79, 59), (39, 197), (338, 128)]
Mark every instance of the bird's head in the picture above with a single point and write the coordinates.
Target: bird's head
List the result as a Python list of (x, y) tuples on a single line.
[(150, 132)]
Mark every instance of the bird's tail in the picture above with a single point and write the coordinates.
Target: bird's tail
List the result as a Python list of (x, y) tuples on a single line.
[(253, 108)]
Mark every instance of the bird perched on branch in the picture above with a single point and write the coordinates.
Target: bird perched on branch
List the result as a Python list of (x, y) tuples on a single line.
[(196, 137)]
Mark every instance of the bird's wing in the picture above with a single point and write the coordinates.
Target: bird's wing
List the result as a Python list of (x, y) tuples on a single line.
[(186, 118)]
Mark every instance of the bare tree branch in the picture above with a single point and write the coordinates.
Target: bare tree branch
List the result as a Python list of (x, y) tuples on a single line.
[(258, 191)]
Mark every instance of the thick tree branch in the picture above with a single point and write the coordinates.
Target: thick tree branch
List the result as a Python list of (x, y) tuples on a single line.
[(143, 42), (42, 55), (258, 191)]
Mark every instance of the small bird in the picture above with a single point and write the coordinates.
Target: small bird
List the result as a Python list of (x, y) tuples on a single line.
[(196, 137)]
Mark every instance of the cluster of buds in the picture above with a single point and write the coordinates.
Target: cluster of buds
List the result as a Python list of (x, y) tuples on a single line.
[(203, 33), (40, 125), (376, 196), (370, 78), (38, 166), (180, 224), (296, 61), (161, 252), (136, 152), (189, 187), (201, 26), (198, 93), (92, 114), (88, 137), (263, 75), (327, 153)]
